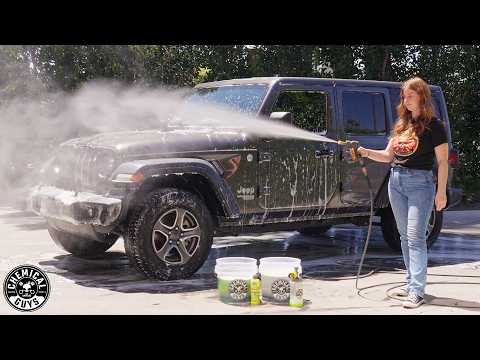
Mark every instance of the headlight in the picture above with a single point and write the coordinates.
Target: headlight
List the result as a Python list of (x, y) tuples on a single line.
[(129, 178), (81, 166), (103, 164)]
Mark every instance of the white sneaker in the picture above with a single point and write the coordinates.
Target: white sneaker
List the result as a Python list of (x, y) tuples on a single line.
[(400, 292), (413, 301)]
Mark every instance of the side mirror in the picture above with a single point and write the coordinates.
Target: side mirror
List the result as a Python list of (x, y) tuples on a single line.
[(282, 116)]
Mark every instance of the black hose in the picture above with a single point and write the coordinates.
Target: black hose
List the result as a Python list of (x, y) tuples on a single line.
[(365, 173)]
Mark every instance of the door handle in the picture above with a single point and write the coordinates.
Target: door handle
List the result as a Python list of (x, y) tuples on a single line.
[(266, 156), (323, 152)]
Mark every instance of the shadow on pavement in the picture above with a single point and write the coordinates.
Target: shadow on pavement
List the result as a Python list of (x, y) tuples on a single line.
[(113, 272), (452, 303)]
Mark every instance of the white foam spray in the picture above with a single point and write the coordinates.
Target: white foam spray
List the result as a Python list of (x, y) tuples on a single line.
[(32, 130)]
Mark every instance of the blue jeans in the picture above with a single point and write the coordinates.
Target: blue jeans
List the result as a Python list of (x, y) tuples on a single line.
[(412, 194)]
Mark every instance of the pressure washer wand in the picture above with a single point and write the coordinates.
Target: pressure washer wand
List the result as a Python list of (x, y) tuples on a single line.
[(353, 147)]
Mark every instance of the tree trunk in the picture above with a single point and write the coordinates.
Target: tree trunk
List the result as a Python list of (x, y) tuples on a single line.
[(386, 64)]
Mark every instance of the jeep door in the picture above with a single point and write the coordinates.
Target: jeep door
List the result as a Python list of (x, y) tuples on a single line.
[(365, 116), (297, 174)]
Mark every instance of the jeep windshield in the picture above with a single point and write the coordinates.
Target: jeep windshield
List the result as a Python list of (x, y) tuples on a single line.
[(245, 99), (241, 98)]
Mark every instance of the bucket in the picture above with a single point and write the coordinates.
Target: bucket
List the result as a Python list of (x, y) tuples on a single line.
[(236, 260), (233, 279), (274, 273)]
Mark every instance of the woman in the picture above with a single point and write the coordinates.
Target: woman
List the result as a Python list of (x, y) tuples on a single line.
[(417, 137)]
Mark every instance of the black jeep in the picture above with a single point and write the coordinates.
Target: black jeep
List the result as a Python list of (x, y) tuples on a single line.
[(169, 192)]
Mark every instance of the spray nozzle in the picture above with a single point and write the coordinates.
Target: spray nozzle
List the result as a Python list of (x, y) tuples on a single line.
[(352, 146), (347, 142)]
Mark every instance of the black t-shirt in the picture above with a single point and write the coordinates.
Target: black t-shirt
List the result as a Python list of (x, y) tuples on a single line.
[(417, 152)]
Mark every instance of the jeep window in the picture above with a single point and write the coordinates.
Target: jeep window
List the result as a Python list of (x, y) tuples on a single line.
[(241, 98), (309, 109), (364, 113), (395, 98)]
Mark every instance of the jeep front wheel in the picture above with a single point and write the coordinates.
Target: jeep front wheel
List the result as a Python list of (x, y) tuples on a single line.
[(392, 236), (80, 246), (169, 237)]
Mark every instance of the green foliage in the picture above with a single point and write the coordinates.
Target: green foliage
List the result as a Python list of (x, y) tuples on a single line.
[(17, 81), (68, 66), (456, 69), (282, 60), (341, 62), (202, 75), (309, 109)]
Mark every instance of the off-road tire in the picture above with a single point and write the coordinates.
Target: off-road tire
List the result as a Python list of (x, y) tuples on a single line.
[(315, 230), (138, 240), (392, 236), (82, 247)]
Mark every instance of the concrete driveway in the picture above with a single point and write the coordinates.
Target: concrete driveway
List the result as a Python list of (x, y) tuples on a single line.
[(110, 286)]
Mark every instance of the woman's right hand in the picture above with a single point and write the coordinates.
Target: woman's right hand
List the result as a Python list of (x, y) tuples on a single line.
[(362, 151)]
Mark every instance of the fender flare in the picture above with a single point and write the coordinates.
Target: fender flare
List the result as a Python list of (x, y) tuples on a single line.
[(155, 168)]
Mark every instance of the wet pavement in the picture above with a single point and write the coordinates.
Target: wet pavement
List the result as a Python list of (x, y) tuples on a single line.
[(329, 261)]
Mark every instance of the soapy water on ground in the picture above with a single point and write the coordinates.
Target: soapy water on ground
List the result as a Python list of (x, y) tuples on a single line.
[(329, 256)]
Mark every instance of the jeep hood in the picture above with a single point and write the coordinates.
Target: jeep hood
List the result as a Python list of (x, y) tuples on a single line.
[(131, 143)]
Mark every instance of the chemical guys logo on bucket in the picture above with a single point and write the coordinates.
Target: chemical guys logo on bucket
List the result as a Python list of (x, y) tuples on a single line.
[(281, 289), (26, 288), (238, 289)]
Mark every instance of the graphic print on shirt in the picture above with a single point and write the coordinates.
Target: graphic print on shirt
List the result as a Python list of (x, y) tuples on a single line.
[(406, 143)]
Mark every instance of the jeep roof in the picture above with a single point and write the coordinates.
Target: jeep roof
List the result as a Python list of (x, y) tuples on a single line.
[(302, 81)]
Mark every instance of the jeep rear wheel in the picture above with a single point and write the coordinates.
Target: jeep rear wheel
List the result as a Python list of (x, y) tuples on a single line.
[(392, 236), (170, 236), (80, 246), (315, 230)]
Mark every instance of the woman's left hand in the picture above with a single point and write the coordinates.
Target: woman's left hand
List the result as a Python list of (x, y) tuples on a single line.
[(440, 200)]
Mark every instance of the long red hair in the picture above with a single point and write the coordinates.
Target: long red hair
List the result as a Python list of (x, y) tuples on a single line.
[(427, 112)]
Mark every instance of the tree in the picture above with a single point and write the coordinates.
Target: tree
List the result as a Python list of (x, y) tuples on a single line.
[(17, 79), (341, 62), (66, 67), (225, 61), (288, 60)]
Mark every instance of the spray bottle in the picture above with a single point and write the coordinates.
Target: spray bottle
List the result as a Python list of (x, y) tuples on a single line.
[(296, 289), (255, 290)]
